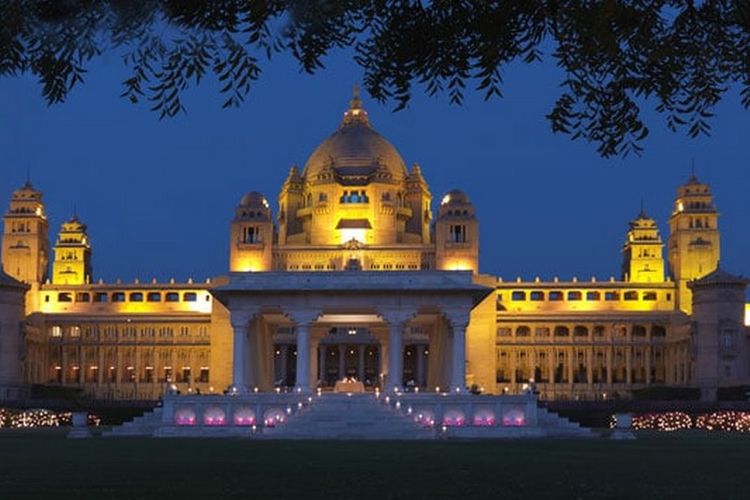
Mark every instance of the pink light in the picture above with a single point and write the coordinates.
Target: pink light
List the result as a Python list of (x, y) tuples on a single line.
[(484, 418), (453, 422), (214, 416), (244, 420), (484, 421), (185, 416), (514, 418), (244, 417), (454, 418)]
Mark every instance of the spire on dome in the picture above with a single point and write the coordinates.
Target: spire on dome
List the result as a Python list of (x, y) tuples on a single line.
[(356, 102), (356, 113)]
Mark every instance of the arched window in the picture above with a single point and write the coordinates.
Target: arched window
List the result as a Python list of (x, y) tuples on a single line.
[(562, 331), (639, 331), (658, 331), (523, 331)]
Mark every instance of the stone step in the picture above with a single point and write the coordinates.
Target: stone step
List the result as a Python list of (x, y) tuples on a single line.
[(336, 416)]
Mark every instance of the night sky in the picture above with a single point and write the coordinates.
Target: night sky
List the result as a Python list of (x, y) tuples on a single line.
[(158, 196)]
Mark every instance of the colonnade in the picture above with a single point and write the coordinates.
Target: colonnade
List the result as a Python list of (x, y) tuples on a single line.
[(396, 321)]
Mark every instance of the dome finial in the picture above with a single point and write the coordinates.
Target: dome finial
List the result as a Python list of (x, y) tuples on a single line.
[(356, 102), (355, 114)]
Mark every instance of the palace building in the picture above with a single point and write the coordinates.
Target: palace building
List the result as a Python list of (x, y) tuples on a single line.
[(355, 276)]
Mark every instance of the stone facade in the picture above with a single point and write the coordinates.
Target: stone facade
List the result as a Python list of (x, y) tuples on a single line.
[(353, 277)]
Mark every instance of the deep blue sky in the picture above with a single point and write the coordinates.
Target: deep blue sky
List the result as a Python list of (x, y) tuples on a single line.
[(158, 195)]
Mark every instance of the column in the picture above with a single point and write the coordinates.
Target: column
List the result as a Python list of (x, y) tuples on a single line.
[(395, 357), (609, 365), (420, 365), (322, 364), (551, 364), (512, 366), (383, 360), (137, 367), (342, 361), (81, 364), (648, 364), (458, 354), (283, 360), (628, 364), (314, 363), (361, 362), (590, 366), (571, 360), (303, 358), (64, 363), (100, 364), (239, 356)]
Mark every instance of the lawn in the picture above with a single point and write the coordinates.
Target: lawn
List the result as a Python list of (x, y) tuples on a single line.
[(35, 464)]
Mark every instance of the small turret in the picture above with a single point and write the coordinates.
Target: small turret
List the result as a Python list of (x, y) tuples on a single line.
[(72, 264), (252, 235), (643, 261), (419, 199), (456, 234)]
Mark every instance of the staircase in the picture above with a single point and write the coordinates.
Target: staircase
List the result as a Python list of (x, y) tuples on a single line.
[(339, 416), (144, 425), (555, 425)]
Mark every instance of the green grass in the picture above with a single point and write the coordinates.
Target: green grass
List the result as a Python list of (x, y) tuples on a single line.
[(35, 464)]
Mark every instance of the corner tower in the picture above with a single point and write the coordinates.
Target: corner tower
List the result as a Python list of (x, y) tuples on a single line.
[(456, 234), (720, 345), (643, 260), (25, 251), (72, 264), (693, 245)]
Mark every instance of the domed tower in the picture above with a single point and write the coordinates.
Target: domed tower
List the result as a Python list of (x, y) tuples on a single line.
[(643, 260), (251, 242), (693, 245), (25, 246), (456, 234), (354, 190), (72, 264)]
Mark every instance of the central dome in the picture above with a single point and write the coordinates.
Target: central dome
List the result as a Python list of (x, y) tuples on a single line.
[(355, 149)]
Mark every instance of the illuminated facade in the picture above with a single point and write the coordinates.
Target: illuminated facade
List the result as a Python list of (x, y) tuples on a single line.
[(352, 277)]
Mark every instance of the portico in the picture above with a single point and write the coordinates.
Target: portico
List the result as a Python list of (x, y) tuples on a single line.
[(387, 330)]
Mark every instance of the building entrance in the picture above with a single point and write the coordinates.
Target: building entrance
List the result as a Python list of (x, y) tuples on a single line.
[(360, 362)]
